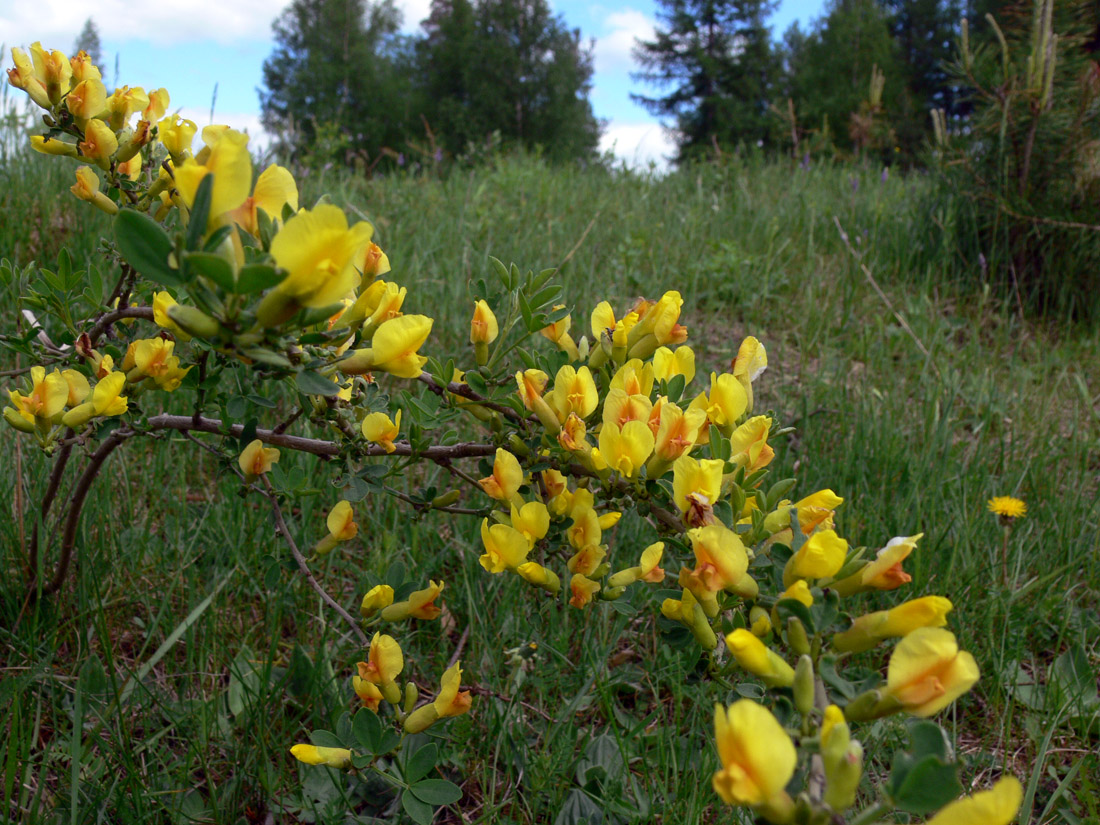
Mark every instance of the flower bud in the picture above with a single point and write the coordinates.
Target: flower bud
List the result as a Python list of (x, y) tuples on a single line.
[(330, 757), (804, 685), (421, 719), (194, 321), (411, 695), (796, 636)]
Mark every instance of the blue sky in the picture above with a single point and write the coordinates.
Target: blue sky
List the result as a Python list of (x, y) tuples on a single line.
[(190, 48)]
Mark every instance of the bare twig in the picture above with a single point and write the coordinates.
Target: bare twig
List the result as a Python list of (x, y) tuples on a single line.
[(900, 318), (76, 503), (465, 391), (105, 321), (52, 486), (280, 526)]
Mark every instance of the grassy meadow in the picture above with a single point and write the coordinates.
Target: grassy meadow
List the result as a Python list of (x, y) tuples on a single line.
[(168, 680)]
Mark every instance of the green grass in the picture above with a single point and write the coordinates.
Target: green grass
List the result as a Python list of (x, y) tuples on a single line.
[(913, 443)]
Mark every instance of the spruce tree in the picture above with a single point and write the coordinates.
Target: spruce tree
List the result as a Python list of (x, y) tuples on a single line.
[(717, 64), (88, 42)]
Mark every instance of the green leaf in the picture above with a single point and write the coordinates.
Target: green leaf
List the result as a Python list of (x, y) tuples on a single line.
[(579, 809), (236, 407), (367, 729), (437, 792), (312, 383), (928, 739), (501, 271), (257, 277), (420, 764), (927, 786), (145, 246), (212, 266), (421, 812), (200, 211)]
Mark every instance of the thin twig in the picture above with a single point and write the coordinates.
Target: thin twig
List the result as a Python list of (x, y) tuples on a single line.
[(465, 391), (52, 486), (76, 503), (280, 526), (885, 300), (316, 446), (108, 319), (458, 649)]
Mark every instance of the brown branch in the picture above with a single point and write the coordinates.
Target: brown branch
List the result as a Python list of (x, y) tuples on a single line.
[(76, 503), (48, 497), (316, 446), (465, 391), (108, 319), (303, 568)]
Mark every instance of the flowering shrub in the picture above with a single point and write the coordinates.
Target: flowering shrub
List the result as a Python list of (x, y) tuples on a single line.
[(232, 282)]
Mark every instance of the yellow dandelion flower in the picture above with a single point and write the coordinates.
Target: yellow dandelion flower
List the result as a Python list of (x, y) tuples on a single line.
[(1007, 507)]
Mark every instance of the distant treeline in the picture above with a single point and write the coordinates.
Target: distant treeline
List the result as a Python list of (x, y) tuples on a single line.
[(344, 84)]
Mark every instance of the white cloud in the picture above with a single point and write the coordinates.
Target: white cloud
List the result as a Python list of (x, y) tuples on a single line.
[(613, 50), (58, 22), (638, 144)]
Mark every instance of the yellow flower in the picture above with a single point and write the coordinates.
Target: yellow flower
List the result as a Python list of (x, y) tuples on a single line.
[(726, 402), (759, 659), (106, 400), (1007, 507), (626, 450), (99, 143), (927, 671), (646, 571), (419, 605), (586, 560), (531, 384), (619, 408), (540, 576), (338, 758), (758, 757), (820, 556), (257, 459), (384, 661), (378, 428), (997, 806), (870, 629), (884, 573), (79, 389), (153, 358), (573, 435), (319, 251), (176, 134), (532, 520), (751, 361), (749, 443), (761, 622), (667, 364), (87, 100), (161, 302), (87, 189), (54, 70), (696, 487), (505, 547), (231, 166), (585, 529), (483, 325), (379, 596), (507, 477), (634, 378), (341, 522), (393, 348), (83, 68), (47, 396), (122, 103), (558, 333), (369, 695), (583, 589), (275, 188), (157, 106), (23, 77), (677, 434), (574, 392), (451, 701), (720, 558), (800, 592)]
